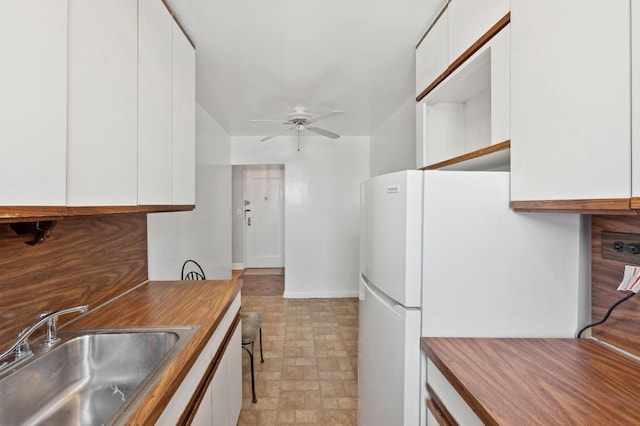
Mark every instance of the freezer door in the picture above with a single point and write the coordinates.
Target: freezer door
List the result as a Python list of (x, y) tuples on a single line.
[(388, 361), (391, 235)]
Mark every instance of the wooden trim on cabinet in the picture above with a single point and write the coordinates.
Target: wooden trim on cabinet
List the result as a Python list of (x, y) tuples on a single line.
[(618, 206), (178, 23), (466, 55), (10, 214), (13, 214), (165, 208), (197, 397), (100, 210), (435, 21), (635, 202), (502, 146), (439, 410)]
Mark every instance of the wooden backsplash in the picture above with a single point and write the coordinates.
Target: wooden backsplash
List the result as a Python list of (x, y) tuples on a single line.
[(622, 329), (86, 260)]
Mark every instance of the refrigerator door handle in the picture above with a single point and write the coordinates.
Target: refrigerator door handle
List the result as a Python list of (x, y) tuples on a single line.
[(383, 298)]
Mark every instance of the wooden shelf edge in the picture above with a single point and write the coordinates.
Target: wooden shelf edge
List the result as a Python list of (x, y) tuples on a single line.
[(10, 214), (483, 152), (607, 206), (498, 26)]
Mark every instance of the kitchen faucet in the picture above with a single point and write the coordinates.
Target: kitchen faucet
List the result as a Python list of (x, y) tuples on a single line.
[(20, 349)]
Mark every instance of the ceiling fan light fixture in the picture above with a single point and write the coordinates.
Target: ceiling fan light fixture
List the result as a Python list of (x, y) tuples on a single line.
[(299, 120)]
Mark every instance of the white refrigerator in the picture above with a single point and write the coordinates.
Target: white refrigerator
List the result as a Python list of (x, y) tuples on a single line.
[(442, 254)]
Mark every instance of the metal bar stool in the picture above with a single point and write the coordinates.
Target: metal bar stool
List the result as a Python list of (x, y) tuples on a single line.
[(251, 328), (193, 271)]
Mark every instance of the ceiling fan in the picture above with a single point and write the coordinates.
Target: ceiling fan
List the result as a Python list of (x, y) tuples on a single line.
[(300, 120)]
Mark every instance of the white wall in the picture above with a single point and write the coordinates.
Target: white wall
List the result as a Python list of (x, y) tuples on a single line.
[(322, 208), (393, 143), (204, 234), (237, 217)]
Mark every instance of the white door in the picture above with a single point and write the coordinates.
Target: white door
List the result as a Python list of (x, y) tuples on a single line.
[(264, 216)]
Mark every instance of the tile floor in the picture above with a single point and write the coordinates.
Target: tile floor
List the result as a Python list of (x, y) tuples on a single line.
[(311, 362)]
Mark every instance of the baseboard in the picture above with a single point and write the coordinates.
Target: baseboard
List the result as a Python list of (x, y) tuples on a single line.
[(319, 295), (237, 266)]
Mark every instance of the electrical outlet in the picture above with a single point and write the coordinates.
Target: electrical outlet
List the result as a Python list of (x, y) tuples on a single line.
[(621, 247)]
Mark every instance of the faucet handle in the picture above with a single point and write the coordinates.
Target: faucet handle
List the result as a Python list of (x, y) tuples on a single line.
[(22, 350), (50, 328)]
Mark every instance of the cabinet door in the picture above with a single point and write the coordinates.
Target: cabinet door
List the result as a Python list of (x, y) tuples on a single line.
[(635, 104), (470, 19), (223, 400), (450, 398), (570, 100), (432, 54), (234, 369), (155, 56), (500, 86), (183, 119), (33, 96), (203, 416), (102, 103)]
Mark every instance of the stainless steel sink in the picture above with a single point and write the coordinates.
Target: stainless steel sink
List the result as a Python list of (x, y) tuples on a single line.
[(91, 377)]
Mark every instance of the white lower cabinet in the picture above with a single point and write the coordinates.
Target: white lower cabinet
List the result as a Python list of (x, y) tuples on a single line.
[(222, 400), (226, 387), (450, 399)]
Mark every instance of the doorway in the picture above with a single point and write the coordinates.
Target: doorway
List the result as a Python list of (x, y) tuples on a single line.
[(263, 215)]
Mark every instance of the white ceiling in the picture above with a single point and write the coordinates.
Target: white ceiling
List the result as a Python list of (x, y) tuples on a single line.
[(257, 59)]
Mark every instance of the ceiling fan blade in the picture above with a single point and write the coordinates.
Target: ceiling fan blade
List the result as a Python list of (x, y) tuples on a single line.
[(266, 138), (324, 132), (323, 116), (270, 121)]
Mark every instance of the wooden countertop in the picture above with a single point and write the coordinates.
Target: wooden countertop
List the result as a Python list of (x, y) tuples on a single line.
[(540, 381), (166, 303)]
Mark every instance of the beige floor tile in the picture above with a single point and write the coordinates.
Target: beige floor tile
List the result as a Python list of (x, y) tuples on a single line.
[(309, 416), (291, 400), (249, 418), (268, 418), (337, 417)]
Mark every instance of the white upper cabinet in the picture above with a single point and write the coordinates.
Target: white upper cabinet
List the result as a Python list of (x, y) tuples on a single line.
[(469, 110), (102, 104), (33, 97), (155, 82), (471, 19), (635, 104), (184, 110), (432, 54), (570, 108)]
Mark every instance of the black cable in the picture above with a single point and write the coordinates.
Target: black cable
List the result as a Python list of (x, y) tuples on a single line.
[(606, 316)]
